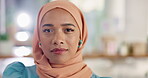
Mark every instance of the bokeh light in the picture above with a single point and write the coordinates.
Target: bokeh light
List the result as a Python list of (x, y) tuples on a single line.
[(21, 51), (22, 36), (23, 20)]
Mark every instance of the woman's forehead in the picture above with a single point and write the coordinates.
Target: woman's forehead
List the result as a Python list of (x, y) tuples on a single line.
[(57, 12), (58, 15)]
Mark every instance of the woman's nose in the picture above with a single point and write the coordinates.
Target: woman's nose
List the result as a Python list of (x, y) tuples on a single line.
[(58, 39), (58, 42)]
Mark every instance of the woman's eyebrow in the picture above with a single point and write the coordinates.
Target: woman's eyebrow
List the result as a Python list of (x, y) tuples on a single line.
[(48, 25), (67, 24)]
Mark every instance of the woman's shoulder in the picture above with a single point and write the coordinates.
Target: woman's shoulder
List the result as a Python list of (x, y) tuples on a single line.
[(95, 76), (14, 70), (19, 70)]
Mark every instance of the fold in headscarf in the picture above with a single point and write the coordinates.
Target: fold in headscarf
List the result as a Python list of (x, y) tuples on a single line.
[(73, 68)]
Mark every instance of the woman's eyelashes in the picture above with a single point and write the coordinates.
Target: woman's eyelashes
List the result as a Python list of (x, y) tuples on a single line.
[(66, 30), (69, 30), (47, 30)]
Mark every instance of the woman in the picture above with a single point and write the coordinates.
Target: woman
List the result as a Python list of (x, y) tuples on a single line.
[(59, 38)]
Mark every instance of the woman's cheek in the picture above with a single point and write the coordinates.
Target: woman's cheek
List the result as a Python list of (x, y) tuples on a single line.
[(46, 44), (73, 40), (74, 46)]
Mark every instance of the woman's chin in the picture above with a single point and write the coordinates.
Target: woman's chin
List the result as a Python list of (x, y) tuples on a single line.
[(58, 61)]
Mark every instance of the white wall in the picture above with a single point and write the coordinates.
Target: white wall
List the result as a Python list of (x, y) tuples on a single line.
[(136, 20)]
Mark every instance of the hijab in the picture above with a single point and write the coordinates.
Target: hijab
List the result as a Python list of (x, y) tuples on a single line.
[(75, 67)]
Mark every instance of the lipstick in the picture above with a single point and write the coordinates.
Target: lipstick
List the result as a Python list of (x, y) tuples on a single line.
[(59, 50)]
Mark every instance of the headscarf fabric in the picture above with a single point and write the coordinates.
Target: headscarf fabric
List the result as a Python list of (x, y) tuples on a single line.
[(75, 67)]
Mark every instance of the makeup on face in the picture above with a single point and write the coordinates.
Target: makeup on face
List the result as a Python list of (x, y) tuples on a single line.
[(59, 50), (59, 36)]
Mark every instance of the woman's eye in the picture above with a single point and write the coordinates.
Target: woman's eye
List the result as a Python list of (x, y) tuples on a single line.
[(69, 30), (47, 30)]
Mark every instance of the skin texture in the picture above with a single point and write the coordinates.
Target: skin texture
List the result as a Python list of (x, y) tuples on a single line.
[(58, 29)]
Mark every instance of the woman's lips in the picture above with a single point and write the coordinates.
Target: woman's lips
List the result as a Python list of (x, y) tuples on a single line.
[(59, 50)]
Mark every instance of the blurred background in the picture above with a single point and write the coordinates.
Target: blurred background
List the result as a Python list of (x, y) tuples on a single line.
[(117, 44)]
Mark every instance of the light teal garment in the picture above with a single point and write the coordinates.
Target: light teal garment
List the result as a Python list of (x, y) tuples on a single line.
[(18, 70)]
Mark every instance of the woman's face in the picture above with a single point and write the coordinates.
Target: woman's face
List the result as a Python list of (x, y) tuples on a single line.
[(59, 36)]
